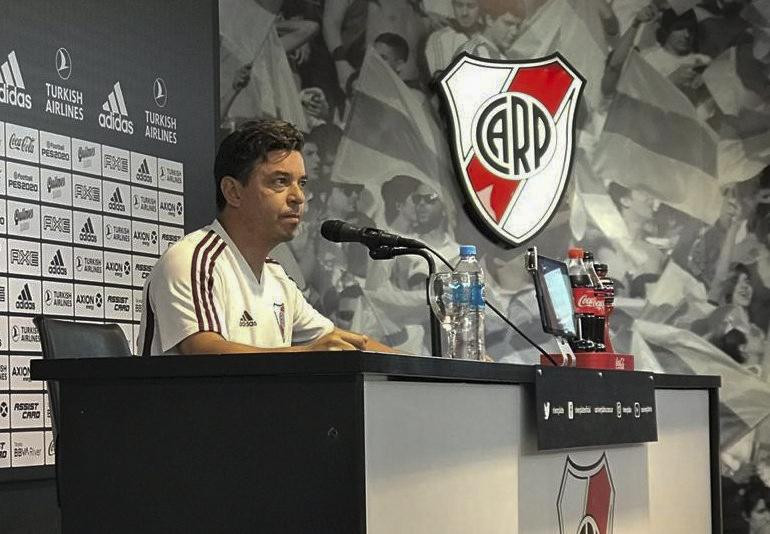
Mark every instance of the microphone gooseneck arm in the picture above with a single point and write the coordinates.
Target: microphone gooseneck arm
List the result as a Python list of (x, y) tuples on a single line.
[(387, 253)]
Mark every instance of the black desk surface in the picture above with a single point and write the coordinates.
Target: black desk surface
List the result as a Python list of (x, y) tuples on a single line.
[(318, 363)]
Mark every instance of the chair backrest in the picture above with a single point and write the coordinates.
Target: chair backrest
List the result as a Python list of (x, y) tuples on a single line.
[(65, 339)]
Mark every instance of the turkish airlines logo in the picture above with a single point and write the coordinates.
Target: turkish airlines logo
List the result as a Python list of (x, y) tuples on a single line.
[(512, 139), (63, 64), (586, 501), (159, 92), (115, 114), (12, 88)]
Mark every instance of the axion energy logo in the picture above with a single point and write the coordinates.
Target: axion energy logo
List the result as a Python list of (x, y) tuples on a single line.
[(513, 129), (12, 88), (114, 114), (586, 499)]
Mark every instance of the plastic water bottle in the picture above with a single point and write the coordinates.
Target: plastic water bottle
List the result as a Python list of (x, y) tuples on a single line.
[(469, 320)]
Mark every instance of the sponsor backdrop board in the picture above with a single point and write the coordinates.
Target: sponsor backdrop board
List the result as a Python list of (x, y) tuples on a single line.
[(106, 119)]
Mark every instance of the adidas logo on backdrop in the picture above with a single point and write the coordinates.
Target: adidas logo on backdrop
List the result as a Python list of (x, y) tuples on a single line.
[(143, 174), (87, 233), (115, 114), (12, 84), (57, 264), (116, 201), (24, 301)]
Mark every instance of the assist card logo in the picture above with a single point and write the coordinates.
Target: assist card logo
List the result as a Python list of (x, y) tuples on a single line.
[(513, 129)]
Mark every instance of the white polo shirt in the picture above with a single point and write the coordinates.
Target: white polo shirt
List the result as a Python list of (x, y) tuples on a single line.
[(203, 284)]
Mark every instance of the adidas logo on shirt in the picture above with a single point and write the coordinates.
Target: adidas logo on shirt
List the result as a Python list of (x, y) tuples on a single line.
[(114, 114), (247, 319), (116, 201), (57, 264), (87, 233), (143, 174), (12, 84), (24, 300)]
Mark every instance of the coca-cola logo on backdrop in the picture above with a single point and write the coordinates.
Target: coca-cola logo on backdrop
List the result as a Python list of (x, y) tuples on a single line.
[(23, 144)]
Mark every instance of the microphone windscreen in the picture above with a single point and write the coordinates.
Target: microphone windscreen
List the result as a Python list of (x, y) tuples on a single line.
[(332, 230)]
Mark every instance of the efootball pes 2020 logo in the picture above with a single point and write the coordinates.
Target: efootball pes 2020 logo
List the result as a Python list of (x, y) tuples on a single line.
[(513, 130), (586, 499)]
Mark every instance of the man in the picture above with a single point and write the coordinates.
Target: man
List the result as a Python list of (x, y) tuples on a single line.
[(393, 49), (216, 291), (442, 44), (502, 22)]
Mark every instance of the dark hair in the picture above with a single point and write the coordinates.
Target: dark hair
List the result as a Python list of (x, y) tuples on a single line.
[(638, 288), (728, 286), (730, 343), (498, 8), (396, 42), (617, 193), (327, 136), (395, 191), (671, 22), (762, 229), (248, 146)]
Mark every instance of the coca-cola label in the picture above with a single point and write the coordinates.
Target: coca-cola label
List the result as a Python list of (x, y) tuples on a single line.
[(22, 143), (587, 301)]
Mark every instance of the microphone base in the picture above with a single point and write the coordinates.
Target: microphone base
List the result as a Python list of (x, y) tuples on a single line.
[(593, 360)]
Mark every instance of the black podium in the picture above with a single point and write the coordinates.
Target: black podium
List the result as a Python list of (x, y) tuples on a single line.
[(351, 442)]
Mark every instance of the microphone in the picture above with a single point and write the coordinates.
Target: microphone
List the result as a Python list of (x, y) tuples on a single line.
[(342, 232)]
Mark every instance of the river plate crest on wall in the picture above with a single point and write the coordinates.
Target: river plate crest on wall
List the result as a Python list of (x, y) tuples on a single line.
[(512, 138)]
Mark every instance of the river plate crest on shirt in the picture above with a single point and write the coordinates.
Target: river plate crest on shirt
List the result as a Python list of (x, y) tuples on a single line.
[(513, 133)]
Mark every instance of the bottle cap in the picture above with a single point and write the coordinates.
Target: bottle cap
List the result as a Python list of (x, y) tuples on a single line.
[(575, 253), (467, 250)]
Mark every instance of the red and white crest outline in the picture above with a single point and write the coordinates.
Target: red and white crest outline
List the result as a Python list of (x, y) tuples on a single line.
[(586, 502), (512, 183)]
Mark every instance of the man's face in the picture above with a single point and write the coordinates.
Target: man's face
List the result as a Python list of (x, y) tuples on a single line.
[(407, 211), (428, 208), (503, 30), (272, 201), (466, 12), (343, 199), (312, 160), (389, 56), (680, 41), (640, 203), (742, 292)]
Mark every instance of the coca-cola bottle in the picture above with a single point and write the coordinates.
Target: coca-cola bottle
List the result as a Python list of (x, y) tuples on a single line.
[(581, 288), (596, 302), (608, 293)]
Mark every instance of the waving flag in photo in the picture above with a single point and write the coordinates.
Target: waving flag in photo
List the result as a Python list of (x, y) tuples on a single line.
[(674, 153)]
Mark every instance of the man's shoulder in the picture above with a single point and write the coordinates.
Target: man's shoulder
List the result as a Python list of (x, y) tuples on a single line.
[(442, 34), (479, 46), (274, 268), (182, 253)]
